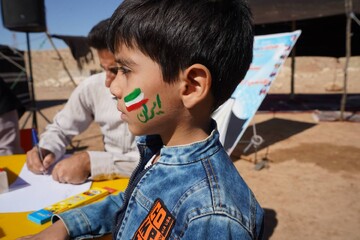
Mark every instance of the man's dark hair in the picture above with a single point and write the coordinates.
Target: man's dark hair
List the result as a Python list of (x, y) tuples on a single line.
[(177, 34), (97, 35)]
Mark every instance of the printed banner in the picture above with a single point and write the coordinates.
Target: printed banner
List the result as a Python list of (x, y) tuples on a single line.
[(233, 117)]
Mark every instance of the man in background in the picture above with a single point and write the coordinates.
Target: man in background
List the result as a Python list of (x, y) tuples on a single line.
[(9, 121), (90, 101)]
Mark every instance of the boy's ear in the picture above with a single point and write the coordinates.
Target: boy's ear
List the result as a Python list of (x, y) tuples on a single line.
[(196, 85)]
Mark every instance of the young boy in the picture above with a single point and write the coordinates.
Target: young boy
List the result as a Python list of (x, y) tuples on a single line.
[(178, 61)]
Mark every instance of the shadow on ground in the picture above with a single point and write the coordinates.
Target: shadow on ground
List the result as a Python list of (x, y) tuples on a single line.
[(270, 223), (309, 102), (272, 131), (42, 104)]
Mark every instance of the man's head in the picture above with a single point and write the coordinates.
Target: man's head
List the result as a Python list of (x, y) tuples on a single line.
[(177, 34), (97, 40)]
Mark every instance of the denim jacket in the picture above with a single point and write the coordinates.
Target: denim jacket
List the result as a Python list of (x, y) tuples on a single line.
[(192, 192)]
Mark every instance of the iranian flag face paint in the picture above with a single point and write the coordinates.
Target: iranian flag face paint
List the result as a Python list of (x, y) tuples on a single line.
[(135, 100)]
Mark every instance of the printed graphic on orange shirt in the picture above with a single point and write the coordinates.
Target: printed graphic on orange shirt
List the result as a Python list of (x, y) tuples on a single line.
[(157, 225)]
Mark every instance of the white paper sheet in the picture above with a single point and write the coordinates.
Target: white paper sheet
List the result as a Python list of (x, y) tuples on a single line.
[(31, 192)]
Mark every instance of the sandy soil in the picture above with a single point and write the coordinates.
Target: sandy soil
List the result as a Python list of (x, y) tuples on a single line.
[(310, 185), (310, 189)]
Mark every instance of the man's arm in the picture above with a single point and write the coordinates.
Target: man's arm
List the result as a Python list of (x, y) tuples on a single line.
[(35, 164), (109, 165), (74, 169), (84, 105), (73, 119), (97, 165)]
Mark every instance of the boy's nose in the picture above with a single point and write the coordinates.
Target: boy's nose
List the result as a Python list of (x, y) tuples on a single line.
[(115, 88)]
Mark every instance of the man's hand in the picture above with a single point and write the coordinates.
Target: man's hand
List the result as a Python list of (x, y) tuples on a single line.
[(34, 163), (74, 170), (57, 231)]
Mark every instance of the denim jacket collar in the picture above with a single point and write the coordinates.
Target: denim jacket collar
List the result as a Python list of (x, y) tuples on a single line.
[(181, 154)]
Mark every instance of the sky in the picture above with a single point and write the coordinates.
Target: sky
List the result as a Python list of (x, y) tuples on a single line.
[(63, 17)]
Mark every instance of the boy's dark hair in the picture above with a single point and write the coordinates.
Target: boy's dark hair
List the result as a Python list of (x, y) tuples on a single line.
[(177, 34), (97, 35)]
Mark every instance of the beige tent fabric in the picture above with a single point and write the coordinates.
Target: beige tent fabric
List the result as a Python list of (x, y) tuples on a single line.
[(266, 11)]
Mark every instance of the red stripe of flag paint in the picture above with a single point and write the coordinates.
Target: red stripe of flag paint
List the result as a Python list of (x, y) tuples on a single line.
[(135, 100)]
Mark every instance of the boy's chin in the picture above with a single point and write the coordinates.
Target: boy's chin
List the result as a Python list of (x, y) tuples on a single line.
[(136, 131)]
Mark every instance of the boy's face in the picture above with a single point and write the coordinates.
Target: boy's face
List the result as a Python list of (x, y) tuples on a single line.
[(146, 102)]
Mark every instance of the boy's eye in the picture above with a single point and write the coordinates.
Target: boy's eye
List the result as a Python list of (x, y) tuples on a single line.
[(122, 69)]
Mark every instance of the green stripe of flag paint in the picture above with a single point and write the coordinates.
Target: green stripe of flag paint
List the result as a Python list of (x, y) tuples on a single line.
[(136, 100), (134, 94)]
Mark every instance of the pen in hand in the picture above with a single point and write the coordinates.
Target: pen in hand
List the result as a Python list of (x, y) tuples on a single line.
[(35, 141)]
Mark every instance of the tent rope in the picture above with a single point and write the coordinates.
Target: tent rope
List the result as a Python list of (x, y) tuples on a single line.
[(13, 62), (255, 141), (353, 16)]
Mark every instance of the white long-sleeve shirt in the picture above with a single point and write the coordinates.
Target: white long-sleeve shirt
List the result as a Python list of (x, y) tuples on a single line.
[(92, 101)]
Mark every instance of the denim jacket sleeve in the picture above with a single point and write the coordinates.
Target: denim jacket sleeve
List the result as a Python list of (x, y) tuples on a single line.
[(92, 220), (213, 227)]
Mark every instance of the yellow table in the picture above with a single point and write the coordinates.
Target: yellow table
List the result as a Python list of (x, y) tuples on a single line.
[(14, 225)]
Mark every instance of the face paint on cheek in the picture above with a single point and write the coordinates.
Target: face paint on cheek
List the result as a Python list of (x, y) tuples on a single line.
[(135, 100), (148, 114)]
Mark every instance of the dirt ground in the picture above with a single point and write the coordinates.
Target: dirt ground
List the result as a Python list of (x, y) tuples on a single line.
[(310, 189), (310, 184)]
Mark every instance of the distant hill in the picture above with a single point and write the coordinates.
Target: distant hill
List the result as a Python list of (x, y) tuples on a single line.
[(312, 74), (48, 70)]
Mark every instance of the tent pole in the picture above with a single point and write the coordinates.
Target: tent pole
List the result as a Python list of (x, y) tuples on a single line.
[(31, 85), (293, 54), (61, 59), (348, 9)]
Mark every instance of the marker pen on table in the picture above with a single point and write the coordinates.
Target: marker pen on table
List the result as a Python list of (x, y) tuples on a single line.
[(35, 141)]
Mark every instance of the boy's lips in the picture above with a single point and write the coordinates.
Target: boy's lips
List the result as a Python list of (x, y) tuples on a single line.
[(122, 114), (119, 109)]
